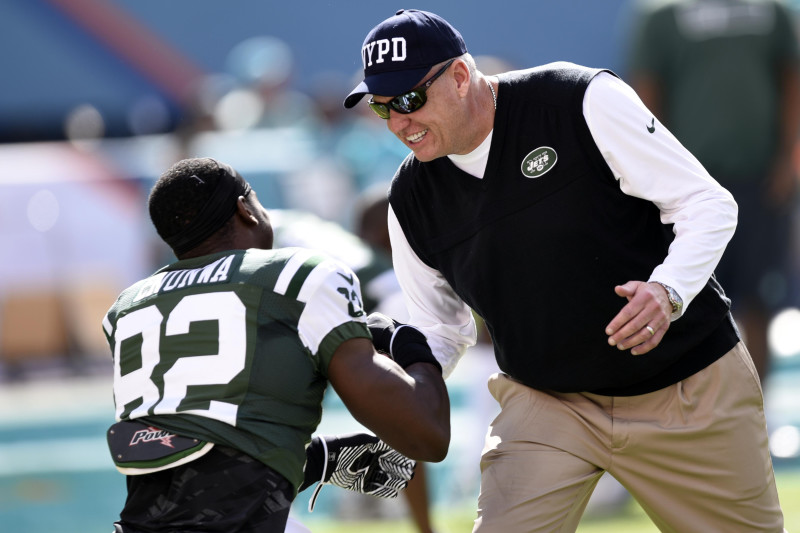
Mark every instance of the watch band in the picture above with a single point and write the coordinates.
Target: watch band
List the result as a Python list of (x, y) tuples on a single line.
[(674, 299)]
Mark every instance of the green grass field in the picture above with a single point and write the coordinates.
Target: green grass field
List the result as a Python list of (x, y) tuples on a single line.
[(632, 520)]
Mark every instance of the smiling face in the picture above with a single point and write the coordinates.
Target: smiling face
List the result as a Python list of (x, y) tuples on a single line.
[(444, 124)]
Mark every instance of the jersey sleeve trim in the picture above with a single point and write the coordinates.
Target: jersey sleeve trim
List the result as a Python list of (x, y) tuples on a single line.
[(338, 335)]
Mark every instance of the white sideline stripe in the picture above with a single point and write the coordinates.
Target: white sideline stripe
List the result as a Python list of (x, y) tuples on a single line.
[(54, 455)]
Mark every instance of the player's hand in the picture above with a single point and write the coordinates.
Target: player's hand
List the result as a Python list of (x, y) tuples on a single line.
[(403, 343), (644, 320), (358, 462), (383, 330)]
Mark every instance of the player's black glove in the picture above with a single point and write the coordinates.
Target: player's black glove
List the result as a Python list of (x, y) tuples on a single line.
[(405, 344), (359, 462)]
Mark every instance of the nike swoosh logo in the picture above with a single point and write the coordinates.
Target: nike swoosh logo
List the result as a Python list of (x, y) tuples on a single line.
[(349, 278), (652, 127)]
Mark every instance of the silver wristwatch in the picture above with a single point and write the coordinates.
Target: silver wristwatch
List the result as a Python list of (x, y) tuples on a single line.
[(674, 299)]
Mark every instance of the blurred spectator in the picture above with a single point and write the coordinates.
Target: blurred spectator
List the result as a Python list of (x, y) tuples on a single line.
[(266, 99), (369, 150), (263, 66), (253, 116), (722, 75), (323, 186)]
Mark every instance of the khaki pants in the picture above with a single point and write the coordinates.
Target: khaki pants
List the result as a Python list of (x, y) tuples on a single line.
[(694, 455)]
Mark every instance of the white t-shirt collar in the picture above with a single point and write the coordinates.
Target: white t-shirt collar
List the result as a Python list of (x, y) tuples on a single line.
[(474, 163)]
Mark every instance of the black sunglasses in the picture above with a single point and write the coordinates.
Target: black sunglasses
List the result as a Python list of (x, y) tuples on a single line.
[(408, 102)]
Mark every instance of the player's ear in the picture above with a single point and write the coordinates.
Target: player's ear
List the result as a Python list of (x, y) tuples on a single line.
[(244, 211)]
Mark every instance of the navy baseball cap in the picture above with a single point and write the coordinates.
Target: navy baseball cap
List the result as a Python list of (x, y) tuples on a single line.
[(399, 51)]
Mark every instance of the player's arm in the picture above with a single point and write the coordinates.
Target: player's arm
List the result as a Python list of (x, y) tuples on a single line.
[(409, 408)]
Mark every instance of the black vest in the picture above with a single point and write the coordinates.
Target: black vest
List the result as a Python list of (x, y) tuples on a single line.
[(538, 257)]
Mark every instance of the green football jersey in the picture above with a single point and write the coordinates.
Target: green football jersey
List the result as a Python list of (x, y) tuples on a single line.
[(234, 347)]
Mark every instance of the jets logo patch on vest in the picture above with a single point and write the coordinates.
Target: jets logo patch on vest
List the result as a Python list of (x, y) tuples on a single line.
[(539, 162)]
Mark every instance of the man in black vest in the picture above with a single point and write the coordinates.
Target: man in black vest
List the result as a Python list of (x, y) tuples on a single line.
[(553, 203)]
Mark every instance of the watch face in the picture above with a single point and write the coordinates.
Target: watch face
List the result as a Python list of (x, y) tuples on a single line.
[(675, 300)]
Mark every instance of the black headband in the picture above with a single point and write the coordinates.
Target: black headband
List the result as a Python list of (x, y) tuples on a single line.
[(219, 208)]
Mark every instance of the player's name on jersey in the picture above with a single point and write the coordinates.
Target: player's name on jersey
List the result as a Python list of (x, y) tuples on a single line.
[(218, 271)]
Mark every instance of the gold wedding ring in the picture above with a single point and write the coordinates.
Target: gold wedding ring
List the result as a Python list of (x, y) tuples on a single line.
[(651, 330)]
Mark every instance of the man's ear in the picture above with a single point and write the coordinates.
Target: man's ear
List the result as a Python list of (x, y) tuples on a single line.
[(244, 211), (461, 75)]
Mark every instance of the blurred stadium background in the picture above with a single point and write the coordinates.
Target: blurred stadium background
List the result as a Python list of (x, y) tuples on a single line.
[(98, 97)]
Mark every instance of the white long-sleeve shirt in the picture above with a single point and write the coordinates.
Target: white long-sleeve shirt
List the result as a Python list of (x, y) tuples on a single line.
[(703, 213)]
